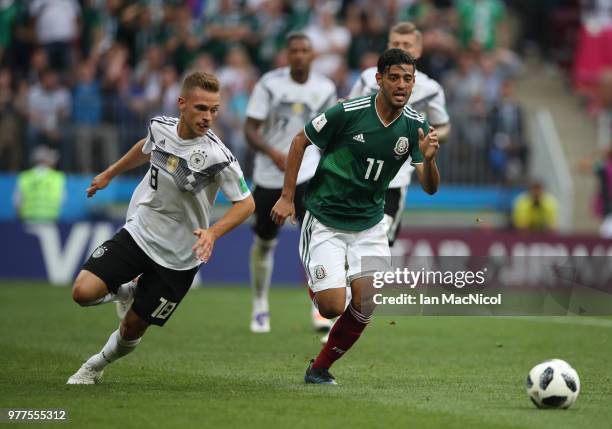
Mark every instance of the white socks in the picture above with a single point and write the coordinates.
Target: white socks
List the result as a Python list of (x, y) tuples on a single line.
[(123, 292), (262, 263), (106, 298), (114, 348)]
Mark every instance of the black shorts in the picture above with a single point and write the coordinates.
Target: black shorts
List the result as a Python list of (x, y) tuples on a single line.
[(265, 199), (394, 207), (160, 289)]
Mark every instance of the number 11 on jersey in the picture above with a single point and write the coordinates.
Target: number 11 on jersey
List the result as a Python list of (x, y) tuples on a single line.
[(371, 162)]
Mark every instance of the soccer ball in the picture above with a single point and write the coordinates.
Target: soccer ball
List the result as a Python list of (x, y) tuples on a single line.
[(553, 384)]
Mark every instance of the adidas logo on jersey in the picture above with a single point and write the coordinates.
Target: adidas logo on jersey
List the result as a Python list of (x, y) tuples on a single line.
[(359, 138)]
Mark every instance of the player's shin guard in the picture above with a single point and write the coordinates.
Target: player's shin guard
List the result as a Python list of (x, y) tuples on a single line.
[(262, 263), (345, 332), (114, 348)]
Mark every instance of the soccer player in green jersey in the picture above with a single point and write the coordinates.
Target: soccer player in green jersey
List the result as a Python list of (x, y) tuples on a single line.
[(365, 141)]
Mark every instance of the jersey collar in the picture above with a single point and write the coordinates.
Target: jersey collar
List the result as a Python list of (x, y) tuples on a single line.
[(378, 116)]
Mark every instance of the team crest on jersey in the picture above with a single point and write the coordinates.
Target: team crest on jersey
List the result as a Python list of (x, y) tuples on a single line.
[(172, 163), (99, 252), (319, 272), (196, 160), (401, 146), (297, 108)]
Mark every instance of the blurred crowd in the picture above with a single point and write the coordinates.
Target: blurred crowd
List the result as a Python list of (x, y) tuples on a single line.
[(83, 77)]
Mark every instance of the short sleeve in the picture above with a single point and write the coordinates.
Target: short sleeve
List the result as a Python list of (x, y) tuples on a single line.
[(436, 109), (358, 87), (150, 139), (259, 102), (232, 183), (323, 127), (416, 157)]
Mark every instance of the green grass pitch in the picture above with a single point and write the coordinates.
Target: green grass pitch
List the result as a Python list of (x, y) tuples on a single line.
[(205, 369)]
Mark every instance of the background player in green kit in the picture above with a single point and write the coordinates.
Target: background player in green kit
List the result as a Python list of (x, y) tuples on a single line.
[(365, 141)]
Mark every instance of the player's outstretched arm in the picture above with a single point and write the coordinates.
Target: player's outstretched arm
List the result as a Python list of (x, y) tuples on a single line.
[(238, 213), (132, 159), (285, 207), (258, 143), (428, 173)]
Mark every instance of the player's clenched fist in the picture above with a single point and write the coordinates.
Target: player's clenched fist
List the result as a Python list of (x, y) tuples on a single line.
[(428, 144), (283, 209)]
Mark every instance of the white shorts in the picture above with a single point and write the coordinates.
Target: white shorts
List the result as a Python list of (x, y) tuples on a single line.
[(327, 252)]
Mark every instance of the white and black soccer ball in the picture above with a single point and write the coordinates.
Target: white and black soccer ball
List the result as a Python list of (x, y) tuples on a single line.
[(553, 384)]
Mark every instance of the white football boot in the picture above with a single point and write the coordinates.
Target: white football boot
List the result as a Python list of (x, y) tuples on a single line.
[(260, 322), (86, 375)]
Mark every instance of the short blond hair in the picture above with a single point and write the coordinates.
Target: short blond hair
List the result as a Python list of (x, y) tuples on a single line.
[(206, 81), (406, 27)]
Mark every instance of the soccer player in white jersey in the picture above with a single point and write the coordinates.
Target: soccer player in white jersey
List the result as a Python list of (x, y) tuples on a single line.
[(282, 102), (427, 98), (167, 233)]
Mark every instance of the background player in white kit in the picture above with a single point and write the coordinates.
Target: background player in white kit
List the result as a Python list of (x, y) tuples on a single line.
[(283, 101), (170, 205), (427, 98)]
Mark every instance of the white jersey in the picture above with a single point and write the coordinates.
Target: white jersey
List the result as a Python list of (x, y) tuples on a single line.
[(176, 195), (427, 98), (286, 106)]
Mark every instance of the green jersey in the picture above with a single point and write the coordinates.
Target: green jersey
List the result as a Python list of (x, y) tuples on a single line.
[(360, 157)]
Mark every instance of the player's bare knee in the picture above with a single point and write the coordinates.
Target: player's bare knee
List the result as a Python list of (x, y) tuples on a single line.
[(80, 292), (87, 288), (332, 309)]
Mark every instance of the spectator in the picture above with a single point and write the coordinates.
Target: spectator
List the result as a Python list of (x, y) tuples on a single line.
[(38, 63), (229, 26), (604, 117), (170, 92), (593, 50), (368, 33), (463, 83), (329, 40), (272, 23), (420, 12), (535, 210), (185, 40), (481, 23), (57, 29), (10, 124), (8, 14), (203, 62), (237, 78), (48, 107), (40, 190), (508, 152), (600, 164), (87, 119), (603, 200), (148, 74), (491, 79)]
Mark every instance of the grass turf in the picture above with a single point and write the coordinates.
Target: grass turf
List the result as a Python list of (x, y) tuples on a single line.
[(205, 369)]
